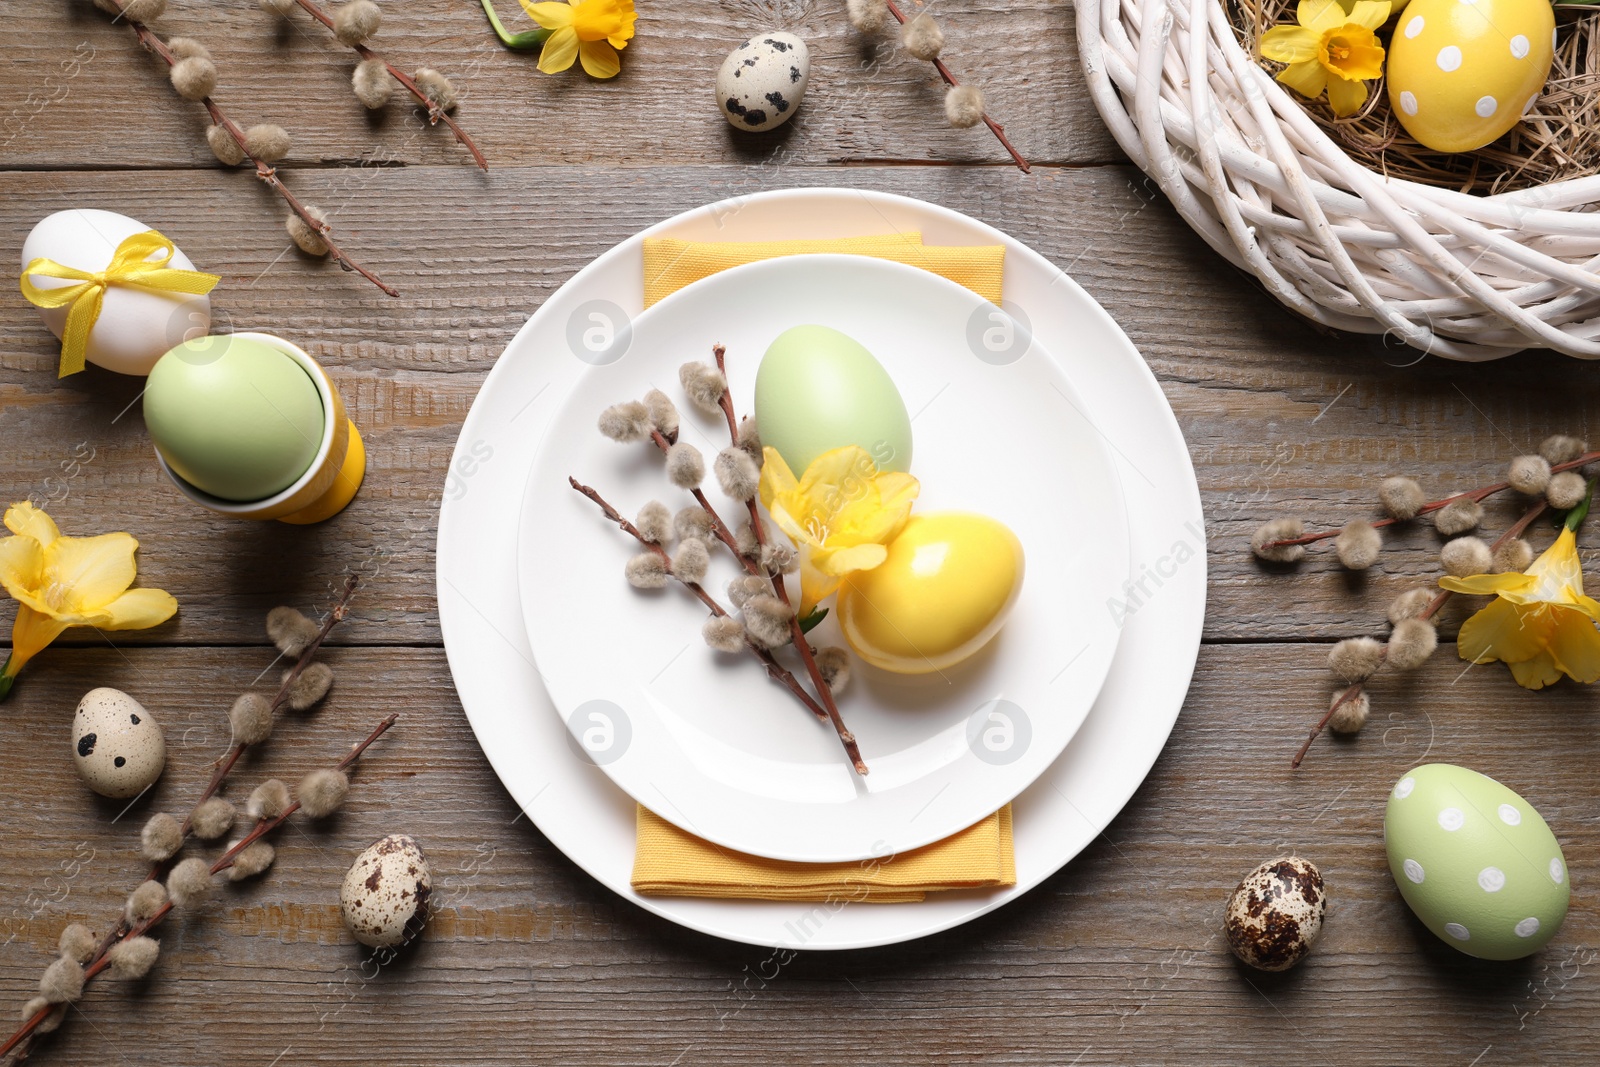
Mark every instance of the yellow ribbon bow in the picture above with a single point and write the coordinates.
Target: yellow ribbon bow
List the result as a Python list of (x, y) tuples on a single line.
[(130, 265)]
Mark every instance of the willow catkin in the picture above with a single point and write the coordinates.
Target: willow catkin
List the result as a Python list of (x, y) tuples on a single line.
[(1356, 658), (355, 22), (305, 236), (268, 142), (1358, 544), (224, 146), (625, 422), (437, 88), (1261, 542), (372, 84), (1401, 497), (963, 106), (194, 78), (292, 631), (321, 793)]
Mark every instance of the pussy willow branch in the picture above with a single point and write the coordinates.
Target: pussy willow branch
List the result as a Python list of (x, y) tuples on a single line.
[(797, 635), (1428, 612), (775, 670), (336, 615), (102, 959), (436, 114), (950, 80), (1479, 495), (718, 527), (265, 171)]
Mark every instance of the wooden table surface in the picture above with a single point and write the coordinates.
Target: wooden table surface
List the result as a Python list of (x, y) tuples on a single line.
[(1117, 959)]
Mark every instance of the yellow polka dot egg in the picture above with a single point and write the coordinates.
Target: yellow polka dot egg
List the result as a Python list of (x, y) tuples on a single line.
[(1463, 72)]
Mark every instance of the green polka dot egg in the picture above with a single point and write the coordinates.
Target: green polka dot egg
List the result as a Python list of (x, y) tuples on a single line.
[(1463, 72), (1475, 861)]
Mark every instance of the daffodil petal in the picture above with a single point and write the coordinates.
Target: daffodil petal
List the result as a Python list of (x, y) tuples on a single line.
[(1588, 605), (896, 489), (1320, 15), (1488, 584), (549, 15), (1364, 58), (794, 530), (560, 49), (21, 566), (1575, 645), (1290, 44), (137, 609), (599, 59), (31, 632), (843, 471), (1558, 567), (84, 574), (1536, 673), (1370, 14), (25, 520), (1346, 97), (776, 477), (1502, 631), (844, 561), (815, 586), (1308, 78)]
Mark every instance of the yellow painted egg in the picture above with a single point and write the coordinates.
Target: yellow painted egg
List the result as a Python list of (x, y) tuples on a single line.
[(943, 592), (1463, 72)]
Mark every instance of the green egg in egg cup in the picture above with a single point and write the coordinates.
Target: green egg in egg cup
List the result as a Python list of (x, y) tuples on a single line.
[(239, 432)]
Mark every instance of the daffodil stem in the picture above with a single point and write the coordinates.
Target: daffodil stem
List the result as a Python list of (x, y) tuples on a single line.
[(6, 679), (1515, 530), (436, 114), (1478, 495), (520, 41)]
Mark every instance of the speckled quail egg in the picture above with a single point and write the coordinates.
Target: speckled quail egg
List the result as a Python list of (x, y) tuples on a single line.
[(1275, 915), (761, 82), (385, 896), (119, 749)]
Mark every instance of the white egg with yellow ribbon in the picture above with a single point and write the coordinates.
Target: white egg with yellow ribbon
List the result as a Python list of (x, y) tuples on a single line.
[(116, 292)]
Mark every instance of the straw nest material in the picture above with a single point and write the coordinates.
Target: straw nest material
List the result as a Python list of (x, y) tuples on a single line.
[(1350, 222)]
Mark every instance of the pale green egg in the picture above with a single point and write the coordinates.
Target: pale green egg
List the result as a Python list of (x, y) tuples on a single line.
[(234, 418), (1475, 861), (819, 389)]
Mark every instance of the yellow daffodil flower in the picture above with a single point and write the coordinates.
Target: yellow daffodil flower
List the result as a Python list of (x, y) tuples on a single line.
[(1540, 624), (589, 31), (1331, 49), (840, 514), (61, 581)]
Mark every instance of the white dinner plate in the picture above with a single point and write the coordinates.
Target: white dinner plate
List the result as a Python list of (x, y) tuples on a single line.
[(706, 740), (578, 808)]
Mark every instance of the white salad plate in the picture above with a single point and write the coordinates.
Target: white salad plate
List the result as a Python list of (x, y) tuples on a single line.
[(706, 740), (578, 808)]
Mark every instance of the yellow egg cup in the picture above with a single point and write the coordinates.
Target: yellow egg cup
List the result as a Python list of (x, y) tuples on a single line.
[(328, 484)]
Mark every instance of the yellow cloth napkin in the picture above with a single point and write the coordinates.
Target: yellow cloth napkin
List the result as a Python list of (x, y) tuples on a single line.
[(671, 264), (672, 862)]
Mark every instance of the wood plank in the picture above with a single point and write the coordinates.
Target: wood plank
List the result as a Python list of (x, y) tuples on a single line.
[(865, 101), (1279, 419), (1116, 959)]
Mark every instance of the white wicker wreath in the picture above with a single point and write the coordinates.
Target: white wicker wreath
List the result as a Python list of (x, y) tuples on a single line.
[(1468, 277)]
